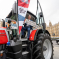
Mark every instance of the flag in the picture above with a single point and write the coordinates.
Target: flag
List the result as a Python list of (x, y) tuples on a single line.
[(22, 10)]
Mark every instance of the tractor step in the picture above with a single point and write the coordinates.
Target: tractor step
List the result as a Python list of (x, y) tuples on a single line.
[(25, 52), (24, 39), (24, 45), (25, 55)]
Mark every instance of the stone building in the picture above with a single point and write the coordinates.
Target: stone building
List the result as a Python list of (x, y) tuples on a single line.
[(53, 29), (1, 23)]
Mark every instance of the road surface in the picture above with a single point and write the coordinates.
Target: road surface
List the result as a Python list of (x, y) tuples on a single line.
[(56, 50)]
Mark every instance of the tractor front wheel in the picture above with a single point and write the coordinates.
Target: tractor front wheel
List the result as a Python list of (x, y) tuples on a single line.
[(43, 47)]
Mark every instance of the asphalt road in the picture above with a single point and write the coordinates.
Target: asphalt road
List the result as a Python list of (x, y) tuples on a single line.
[(56, 50)]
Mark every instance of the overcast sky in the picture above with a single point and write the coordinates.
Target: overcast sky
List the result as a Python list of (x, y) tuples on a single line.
[(50, 9)]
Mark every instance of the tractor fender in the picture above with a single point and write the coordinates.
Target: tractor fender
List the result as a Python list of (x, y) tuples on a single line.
[(32, 35), (35, 33), (39, 31), (3, 35), (47, 32)]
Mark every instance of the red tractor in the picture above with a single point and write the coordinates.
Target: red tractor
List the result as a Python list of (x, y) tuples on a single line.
[(38, 46)]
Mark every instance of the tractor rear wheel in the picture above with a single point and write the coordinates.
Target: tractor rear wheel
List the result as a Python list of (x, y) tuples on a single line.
[(43, 47)]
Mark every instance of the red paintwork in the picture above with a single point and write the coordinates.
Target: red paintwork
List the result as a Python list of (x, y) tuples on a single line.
[(3, 27), (31, 38), (3, 37), (23, 4)]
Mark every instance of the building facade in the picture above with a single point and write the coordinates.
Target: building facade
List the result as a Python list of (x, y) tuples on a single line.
[(1, 23), (53, 29)]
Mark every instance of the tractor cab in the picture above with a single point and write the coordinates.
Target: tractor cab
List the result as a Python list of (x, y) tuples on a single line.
[(37, 21)]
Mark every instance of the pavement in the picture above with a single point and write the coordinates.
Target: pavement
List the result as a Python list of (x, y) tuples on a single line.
[(56, 50)]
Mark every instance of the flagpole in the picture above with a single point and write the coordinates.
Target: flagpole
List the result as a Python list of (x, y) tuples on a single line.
[(21, 15), (17, 19)]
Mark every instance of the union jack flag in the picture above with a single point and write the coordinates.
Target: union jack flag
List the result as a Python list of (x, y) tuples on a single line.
[(22, 10)]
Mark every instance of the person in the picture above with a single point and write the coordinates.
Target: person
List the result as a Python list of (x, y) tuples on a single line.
[(27, 27)]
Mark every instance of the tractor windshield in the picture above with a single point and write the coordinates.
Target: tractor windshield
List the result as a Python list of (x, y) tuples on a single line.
[(35, 9)]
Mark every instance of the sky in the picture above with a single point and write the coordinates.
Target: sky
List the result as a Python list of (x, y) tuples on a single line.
[(50, 9)]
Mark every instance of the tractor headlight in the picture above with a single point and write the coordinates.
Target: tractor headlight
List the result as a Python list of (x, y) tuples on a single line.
[(1, 53)]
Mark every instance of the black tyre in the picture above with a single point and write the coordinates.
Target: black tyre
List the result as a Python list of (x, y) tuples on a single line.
[(43, 47)]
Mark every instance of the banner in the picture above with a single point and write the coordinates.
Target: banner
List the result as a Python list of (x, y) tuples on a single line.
[(22, 10)]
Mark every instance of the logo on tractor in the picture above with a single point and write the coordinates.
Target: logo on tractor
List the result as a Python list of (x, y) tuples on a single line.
[(2, 33), (22, 10), (26, 1)]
